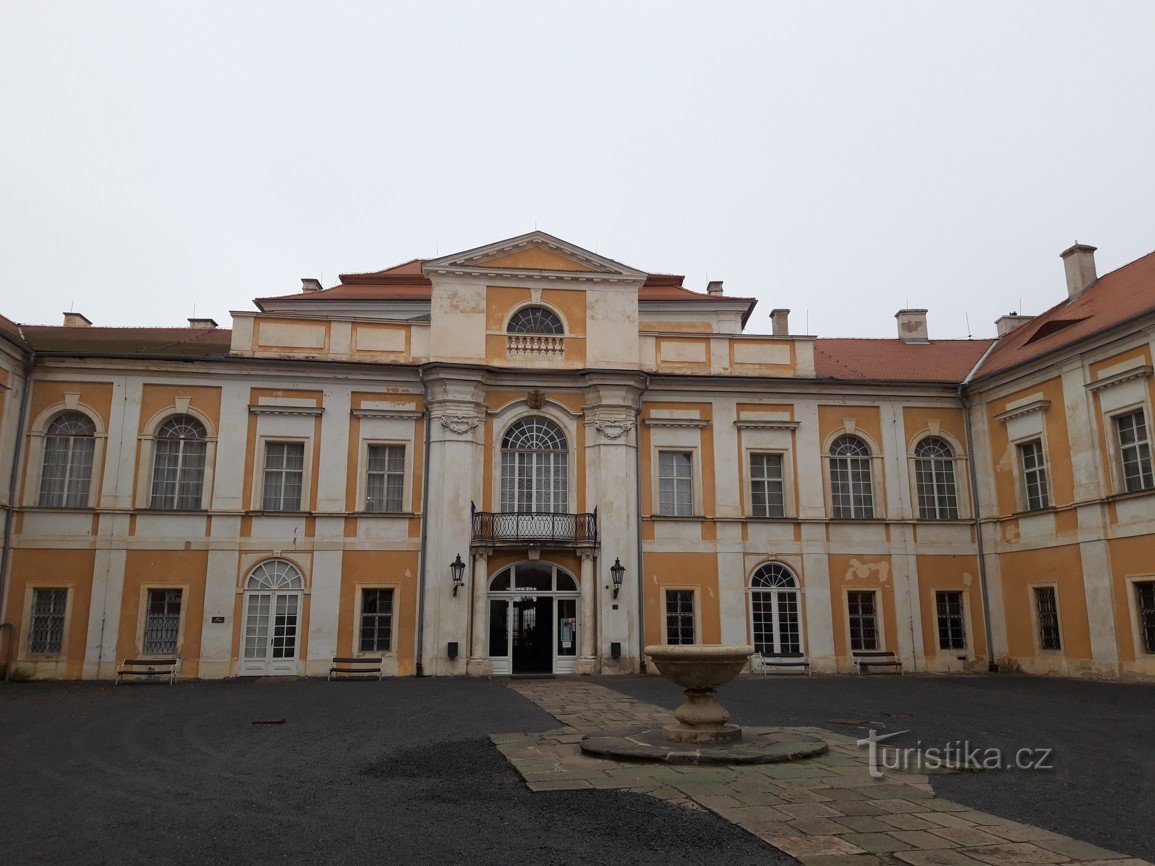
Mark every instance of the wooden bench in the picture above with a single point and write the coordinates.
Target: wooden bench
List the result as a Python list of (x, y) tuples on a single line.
[(148, 669), (356, 669), (865, 660), (788, 661)]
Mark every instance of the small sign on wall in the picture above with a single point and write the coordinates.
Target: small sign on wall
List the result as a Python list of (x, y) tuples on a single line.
[(218, 620)]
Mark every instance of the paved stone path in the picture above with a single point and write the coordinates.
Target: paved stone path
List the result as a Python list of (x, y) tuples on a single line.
[(825, 811)]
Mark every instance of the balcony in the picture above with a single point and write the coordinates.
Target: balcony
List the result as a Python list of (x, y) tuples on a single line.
[(537, 345), (534, 529)]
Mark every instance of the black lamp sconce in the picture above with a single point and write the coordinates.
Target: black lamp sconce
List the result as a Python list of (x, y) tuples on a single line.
[(617, 575), (457, 569)]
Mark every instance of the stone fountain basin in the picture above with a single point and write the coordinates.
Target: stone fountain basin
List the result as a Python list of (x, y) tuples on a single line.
[(699, 666)]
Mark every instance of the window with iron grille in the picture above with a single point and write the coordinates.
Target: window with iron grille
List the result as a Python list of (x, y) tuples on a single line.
[(46, 634), (851, 484), (178, 466), (535, 320), (376, 620), (1134, 451), (1034, 469), (284, 476), (767, 491), (934, 478), (863, 620), (952, 631), (1047, 612), (69, 446), (162, 622), (385, 483), (675, 483), (679, 616), (1145, 596)]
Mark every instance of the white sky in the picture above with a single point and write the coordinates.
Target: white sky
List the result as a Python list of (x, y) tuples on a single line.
[(841, 159)]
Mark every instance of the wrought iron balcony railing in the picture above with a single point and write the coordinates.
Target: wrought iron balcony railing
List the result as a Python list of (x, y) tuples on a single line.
[(534, 528)]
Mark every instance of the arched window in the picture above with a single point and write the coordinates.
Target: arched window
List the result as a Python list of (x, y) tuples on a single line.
[(69, 445), (851, 486), (774, 610), (275, 574), (535, 320), (178, 465), (534, 467), (934, 478)]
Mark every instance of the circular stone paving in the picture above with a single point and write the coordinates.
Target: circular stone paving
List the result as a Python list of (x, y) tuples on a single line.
[(757, 746)]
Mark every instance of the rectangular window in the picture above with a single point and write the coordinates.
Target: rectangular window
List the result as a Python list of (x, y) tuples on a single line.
[(1034, 469), (863, 621), (767, 492), (675, 483), (284, 476), (952, 632), (376, 620), (385, 483), (1134, 451), (1145, 596), (679, 616), (46, 636), (1047, 611), (162, 622)]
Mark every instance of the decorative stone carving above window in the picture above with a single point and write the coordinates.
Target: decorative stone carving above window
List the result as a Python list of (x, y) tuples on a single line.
[(1143, 372), (1024, 409)]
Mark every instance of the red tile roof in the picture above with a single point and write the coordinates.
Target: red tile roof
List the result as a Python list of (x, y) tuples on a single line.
[(11, 331), (146, 342), (1120, 295), (882, 360)]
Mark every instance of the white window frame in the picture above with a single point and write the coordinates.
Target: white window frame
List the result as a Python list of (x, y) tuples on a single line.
[(1036, 631), (148, 461), (696, 614), (877, 481), (695, 474), (1115, 447), (774, 592), (142, 619), (787, 501), (961, 470), (306, 472), (879, 621), (25, 649), (1021, 474), (357, 652), (38, 435), (363, 478)]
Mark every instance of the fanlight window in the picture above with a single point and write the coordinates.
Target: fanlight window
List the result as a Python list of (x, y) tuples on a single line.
[(535, 320), (179, 464), (851, 486), (275, 574), (934, 477), (774, 610), (534, 467), (69, 445)]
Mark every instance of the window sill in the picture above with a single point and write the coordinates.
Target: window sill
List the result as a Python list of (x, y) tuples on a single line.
[(778, 518), (171, 510), (1050, 509), (384, 514), (857, 520), (686, 518), (263, 513), (1130, 494)]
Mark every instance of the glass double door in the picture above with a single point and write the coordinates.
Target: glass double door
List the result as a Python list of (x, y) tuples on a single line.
[(533, 634), (269, 646)]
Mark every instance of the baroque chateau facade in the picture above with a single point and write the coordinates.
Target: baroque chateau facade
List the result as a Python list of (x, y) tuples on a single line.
[(530, 458)]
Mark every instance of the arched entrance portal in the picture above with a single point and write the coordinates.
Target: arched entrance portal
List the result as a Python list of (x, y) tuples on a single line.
[(533, 626)]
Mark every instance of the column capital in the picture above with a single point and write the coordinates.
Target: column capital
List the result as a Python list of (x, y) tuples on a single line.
[(482, 552), (587, 553)]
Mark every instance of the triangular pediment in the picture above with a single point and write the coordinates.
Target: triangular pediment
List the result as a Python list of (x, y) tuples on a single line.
[(536, 252)]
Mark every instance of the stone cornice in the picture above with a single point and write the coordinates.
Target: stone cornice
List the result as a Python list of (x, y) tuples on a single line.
[(676, 422), (399, 414), (262, 409), (1119, 378), (1025, 409), (767, 424)]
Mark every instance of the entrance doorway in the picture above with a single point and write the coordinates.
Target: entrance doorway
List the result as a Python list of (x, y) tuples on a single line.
[(533, 626), (272, 618)]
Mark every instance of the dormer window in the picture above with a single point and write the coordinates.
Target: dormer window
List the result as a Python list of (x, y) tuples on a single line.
[(535, 320)]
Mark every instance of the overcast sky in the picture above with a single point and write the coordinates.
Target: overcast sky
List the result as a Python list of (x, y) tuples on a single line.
[(840, 159)]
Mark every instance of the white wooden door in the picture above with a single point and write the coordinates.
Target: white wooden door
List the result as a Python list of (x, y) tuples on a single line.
[(269, 646)]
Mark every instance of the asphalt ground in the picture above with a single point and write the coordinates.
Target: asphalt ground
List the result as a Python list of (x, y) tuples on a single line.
[(1102, 737), (400, 771)]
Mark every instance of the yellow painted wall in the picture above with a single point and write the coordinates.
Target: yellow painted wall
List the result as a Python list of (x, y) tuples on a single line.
[(184, 569), (953, 573), (1130, 557), (381, 569), (1061, 566), (1059, 472), (866, 420), (53, 569), (696, 571), (861, 573)]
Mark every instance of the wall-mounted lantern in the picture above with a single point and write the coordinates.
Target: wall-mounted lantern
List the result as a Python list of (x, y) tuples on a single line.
[(457, 569), (617, 575)]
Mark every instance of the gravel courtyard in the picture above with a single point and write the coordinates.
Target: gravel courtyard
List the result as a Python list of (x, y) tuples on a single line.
[(403, 770)]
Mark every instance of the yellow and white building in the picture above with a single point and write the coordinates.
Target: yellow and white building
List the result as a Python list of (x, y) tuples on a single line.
[(530, 458)]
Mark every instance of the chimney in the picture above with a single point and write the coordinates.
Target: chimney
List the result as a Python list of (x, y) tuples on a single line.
[(714, 287), (1079, 263), (912, 326), (310, 284), (76, 320), (780, 319), (202, 323), (1010, 322)]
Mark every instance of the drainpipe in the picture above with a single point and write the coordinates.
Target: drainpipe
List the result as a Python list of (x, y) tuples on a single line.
[(638, 520), (976, 510), (6, 550), (418, 667)]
